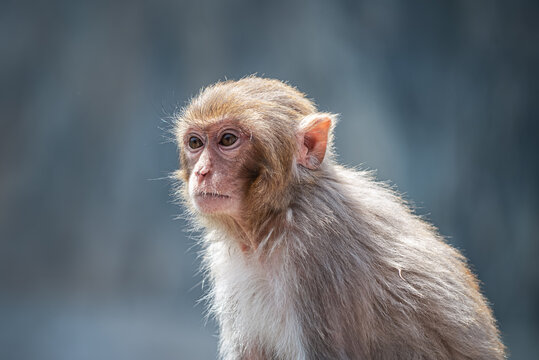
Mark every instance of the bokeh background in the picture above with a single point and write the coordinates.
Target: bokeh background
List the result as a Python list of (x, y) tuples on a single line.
[(440, 97)]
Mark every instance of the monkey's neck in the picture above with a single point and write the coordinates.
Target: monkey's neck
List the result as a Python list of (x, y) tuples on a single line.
[(254, 235)]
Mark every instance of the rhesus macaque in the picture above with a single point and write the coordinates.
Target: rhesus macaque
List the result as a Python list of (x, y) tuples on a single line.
[(309, 259)]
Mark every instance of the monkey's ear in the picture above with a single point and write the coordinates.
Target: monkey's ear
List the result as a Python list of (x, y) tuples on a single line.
[(313, 135)]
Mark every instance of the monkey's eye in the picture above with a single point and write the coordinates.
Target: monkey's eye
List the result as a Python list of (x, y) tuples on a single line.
[(228, 139), (194, 142)]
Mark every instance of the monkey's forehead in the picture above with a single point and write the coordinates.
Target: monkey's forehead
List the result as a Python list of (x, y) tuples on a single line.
[(248, 116), (213, 109), (212, 124)]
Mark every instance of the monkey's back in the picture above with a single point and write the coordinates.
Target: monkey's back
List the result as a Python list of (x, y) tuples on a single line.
[(387, 283)]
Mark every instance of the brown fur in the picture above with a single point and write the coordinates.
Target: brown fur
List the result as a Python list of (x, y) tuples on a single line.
[(321, 262)]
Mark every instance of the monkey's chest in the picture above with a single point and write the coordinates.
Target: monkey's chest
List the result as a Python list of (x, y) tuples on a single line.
[(254, 307)]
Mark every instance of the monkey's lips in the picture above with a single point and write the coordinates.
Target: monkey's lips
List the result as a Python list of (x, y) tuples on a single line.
[(210, 195)]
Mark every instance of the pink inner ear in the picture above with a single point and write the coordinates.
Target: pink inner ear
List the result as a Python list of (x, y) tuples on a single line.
[(315, 139)]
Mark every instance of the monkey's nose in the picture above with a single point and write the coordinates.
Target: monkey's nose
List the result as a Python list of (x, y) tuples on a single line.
[(202, 172)]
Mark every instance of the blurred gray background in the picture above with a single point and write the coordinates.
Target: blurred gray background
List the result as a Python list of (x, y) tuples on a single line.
[(440, 97)]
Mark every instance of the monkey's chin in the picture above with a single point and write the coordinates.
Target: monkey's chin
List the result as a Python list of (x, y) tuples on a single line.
[(209, 203)]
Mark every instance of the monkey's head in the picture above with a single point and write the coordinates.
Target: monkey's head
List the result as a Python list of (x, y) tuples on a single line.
[(244, 146)]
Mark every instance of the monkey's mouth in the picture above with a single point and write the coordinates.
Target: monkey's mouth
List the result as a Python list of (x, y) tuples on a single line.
[(210, 195)]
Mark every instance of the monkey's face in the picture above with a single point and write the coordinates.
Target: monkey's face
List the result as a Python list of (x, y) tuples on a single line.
[(213, 157)]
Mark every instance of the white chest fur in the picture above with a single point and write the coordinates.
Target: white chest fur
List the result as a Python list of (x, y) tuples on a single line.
[(251, 300)]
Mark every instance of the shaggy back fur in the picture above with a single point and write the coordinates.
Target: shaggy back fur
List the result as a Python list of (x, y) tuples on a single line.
[(343, 268)]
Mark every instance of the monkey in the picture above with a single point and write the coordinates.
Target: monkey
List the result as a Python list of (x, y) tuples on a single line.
[(307, 258)]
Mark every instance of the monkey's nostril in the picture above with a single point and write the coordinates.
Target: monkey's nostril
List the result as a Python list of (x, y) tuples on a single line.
[(202, 172)]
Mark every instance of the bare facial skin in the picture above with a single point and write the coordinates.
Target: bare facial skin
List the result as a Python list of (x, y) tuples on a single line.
[(308, 259), (213, 153)]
